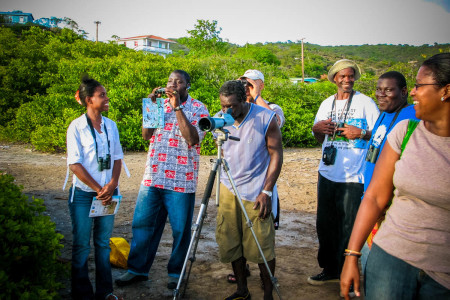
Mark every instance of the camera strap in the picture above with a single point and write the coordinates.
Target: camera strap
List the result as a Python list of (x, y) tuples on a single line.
[(348, 103), (93, 135)]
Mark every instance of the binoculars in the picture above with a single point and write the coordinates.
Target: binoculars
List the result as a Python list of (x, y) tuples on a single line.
[(372, 154), (245, 82), (104, 163)]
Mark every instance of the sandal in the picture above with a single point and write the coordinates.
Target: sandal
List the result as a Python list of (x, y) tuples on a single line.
[(231, 278)]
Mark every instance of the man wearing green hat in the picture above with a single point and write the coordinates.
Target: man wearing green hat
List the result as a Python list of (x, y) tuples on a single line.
[(343, 126)]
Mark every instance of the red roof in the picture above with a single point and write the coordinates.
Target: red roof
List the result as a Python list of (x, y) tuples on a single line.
[(153, 37)]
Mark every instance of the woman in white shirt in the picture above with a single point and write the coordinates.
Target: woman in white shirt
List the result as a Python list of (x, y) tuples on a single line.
[(94, 155)]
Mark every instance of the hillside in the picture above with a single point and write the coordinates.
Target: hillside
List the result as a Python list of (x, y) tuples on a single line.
[(40, 72)]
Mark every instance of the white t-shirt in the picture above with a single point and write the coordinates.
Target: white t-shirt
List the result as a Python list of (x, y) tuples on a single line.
[(279, 112), (350, 156)]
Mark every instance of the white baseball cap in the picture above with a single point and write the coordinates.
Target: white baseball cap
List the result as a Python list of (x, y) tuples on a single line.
[(253, 74)]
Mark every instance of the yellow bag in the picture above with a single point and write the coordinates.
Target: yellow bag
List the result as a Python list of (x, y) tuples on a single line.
[(119, 252)]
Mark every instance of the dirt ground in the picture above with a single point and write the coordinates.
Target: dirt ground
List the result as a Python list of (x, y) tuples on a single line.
[(42, 176)]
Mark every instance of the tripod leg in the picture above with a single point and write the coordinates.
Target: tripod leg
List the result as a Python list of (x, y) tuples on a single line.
[(250, 225), (197, 229)]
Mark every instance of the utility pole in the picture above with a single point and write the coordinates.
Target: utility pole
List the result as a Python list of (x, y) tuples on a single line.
[(303, 64), (96, 33)]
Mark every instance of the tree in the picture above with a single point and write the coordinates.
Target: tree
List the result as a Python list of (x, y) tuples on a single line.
[(56, 21), (71, 23), (83, 33), (116, 38), (204, 39), (260, 54)]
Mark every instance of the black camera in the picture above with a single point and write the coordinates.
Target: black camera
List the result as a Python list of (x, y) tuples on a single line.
[(104, 163), (329, 155), (372, 154), (160, 91), (339, 125)]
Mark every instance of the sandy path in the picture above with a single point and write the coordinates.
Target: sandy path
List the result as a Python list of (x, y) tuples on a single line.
[(42, 175)]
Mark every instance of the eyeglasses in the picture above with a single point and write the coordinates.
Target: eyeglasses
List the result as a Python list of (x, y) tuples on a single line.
[(418, 85)]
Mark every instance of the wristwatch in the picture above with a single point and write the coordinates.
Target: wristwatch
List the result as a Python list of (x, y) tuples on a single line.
[(363, 133), (268, 193), (179, 107)]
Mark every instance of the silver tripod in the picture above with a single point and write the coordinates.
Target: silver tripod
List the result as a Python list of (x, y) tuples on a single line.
[(223, 135)]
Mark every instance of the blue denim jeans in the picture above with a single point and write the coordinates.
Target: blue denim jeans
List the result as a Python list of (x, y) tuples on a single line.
[(81, 231), (388, 277), (152, 207)]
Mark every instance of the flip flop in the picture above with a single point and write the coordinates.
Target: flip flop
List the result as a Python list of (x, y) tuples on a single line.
[(231, 278)]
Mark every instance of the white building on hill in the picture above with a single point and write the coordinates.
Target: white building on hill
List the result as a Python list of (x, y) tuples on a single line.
[(149, 43)]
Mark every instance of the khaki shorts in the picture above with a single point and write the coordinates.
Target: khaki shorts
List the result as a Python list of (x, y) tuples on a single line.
[(233, 235)]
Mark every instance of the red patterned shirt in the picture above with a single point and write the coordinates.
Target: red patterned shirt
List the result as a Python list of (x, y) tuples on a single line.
[(171, 163)]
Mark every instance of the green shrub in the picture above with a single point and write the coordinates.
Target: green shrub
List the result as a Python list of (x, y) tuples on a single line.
[(50, 138), (130, 131), (29, 246), (208, 145)]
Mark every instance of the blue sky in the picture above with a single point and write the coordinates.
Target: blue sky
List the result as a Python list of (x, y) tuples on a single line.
[(323, 22)]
